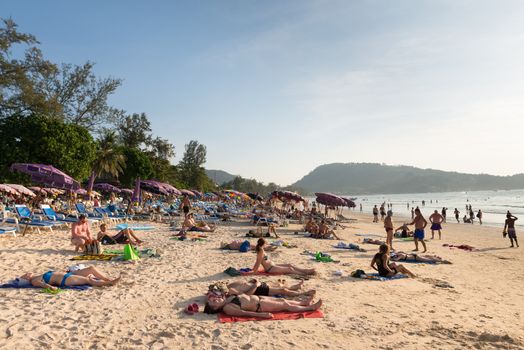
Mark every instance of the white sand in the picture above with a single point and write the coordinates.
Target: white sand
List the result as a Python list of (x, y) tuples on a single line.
[(484, 310)]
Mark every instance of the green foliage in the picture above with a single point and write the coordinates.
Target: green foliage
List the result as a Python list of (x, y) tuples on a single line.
[(251, 185), (39, 139), (190, 169), (109, 159), (138, 165), (32, 85), (134, 130)]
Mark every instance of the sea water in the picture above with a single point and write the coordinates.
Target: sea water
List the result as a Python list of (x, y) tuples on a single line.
[(494, 204)]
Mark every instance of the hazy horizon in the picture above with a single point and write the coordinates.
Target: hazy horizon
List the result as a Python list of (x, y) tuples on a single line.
[(276, 88)]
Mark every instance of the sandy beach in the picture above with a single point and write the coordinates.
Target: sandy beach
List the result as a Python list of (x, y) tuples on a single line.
[(477, 302)]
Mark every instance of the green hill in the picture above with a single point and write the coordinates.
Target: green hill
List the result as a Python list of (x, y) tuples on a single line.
[(219, 176), (370, 178)]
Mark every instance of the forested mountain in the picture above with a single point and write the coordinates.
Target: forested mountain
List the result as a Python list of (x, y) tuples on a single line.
[(370, 178), (219, 176)]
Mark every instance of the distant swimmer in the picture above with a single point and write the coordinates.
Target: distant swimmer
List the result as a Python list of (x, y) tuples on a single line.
[(408, 206), (420, 224), (412, 213), (471, 214), (436, 220), (509, 228), (457, 213), (361, 207), (375, 213)]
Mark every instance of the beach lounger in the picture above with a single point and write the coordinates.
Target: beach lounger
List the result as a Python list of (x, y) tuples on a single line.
[(81, 209), (50, 214), (25, 217)]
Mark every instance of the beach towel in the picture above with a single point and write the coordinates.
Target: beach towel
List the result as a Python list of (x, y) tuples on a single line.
[(223, 318), (102, 257), (134, 227), (377, 277), (368, 235), (349, 246), (462, 246), (16, 283)]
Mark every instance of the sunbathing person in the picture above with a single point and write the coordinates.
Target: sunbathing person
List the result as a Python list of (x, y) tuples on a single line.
[(235, 245), (404, 231), (254, 287), (414, 257), (52, 279), (324, 232), (256, 306), (373, 241), (381, 263), (191, 225), (270, 267), (125, 236)]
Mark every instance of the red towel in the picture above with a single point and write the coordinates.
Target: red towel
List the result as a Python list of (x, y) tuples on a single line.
[(223, 318)]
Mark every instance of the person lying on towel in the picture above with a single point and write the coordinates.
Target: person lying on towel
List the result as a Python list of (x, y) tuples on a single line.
[(191, 225), (255, 287), (414, 257), (126, 236), (255, 306), (270, 267), (79, 277)]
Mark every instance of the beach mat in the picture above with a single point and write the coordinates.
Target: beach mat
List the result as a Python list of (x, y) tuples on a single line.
[(377, 277), (134, 227), (277, 316), (102, 257)]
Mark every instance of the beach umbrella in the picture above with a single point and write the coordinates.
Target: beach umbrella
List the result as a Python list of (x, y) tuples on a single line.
[(187, 193), (54, 191), (105, 187), (47, 175), (9, 190), (330, 199), (126, 191), (22, 190), (286, 196), (349, 202), (80, 191), (197, 193), (38, 189), (172, 189), (154, 187)]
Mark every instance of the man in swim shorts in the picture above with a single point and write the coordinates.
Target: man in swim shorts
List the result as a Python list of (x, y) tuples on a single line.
[(420, 224), (436, 220), (510, 226), (81, 233)]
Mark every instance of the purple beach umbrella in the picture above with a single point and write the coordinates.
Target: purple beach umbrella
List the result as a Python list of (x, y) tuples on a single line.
[(154, 187), (105, 187), (47, 174)]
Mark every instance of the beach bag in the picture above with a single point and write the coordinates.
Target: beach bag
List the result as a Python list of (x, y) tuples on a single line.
[(244, 247), (93, 248)]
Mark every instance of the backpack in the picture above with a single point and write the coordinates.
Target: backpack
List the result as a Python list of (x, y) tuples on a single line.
[(244, 247), (93, 248)]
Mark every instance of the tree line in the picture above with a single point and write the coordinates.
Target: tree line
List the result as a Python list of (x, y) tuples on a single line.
[(59, 114)]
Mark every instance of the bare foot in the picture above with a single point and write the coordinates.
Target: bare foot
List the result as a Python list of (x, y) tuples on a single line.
[(311, 292), (316, 305)]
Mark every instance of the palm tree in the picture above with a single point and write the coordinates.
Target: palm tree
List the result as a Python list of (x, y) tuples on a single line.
[(109, 160)]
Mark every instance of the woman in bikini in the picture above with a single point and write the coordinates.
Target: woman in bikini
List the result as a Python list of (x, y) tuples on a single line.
[(53, 279), (256, 306), (381, 263), (254, 287), (270, 267), (125, 236)]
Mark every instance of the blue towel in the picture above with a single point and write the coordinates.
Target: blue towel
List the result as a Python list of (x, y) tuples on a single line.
[(16, 283)]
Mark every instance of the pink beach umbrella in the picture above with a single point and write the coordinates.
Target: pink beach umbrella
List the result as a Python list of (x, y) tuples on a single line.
[(22, 189), (9, 190)]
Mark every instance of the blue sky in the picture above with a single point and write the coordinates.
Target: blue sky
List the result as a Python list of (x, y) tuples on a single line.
[(276, 88)]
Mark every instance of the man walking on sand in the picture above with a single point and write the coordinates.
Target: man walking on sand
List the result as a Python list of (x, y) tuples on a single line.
[(375, 213), (388, 226), (457, 213), (420, 224), (436, 220)]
